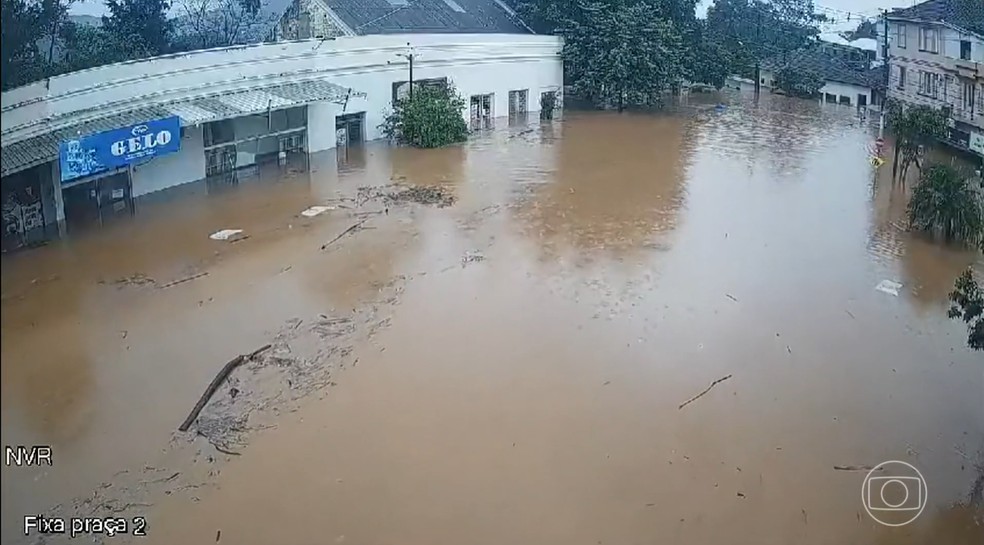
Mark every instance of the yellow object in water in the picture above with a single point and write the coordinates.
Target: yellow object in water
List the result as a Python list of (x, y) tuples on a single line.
[(877, 161)]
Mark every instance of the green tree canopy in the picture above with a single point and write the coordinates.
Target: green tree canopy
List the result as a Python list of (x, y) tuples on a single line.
[(140, 24), (621, 53), (914, 127), (85, 46), (967, 300), (945, 202), (752, 30), (799, 82), (431, 117)]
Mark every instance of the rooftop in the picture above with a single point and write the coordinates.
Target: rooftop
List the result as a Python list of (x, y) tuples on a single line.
[(430, 16), (828, 66), (966, 14)]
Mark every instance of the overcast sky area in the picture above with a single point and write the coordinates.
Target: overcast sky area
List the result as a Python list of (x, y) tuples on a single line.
[(866, 7)]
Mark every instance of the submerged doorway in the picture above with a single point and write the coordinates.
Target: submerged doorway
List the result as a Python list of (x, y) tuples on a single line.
[(350, 129), (482, 112), (98, 201)]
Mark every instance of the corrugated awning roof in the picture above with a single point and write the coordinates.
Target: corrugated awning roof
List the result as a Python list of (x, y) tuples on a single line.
[(40, 149)]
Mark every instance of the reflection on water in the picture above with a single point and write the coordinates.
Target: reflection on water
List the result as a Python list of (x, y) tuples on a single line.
[(629, 260), (616, 198)]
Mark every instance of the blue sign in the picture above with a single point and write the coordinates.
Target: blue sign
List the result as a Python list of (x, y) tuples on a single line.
[(117, 148)]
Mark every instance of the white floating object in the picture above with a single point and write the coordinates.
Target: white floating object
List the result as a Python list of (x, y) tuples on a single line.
[(889, 287), (225, 234), (315, 210)]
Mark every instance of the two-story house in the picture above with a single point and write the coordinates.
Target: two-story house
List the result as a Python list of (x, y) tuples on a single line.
[(936, 58)]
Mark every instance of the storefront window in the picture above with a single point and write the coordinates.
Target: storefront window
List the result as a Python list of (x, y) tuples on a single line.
[(219, 132)]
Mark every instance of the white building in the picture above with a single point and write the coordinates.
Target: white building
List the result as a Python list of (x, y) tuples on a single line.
[(845, 82), (245, 106), (936, 60)]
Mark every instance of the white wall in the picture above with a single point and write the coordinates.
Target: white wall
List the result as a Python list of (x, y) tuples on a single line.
[(187, 165), (843, 89), (475, 64), (535, 75), (360, 62), (320, 138), (832, 87)]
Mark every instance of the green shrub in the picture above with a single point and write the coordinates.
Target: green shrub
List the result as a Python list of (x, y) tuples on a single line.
[(945, 202), (967, 300), (431, 119)]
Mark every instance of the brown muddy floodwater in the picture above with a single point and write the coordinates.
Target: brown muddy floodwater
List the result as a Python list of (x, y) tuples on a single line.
[(508, 369)]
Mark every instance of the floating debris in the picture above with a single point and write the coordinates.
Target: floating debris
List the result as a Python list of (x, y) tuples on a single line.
[(435, 195), (316, 210), (472, 256), (890, 287), (225, 234)]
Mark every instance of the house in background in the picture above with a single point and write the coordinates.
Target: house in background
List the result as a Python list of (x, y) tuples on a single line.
[(303, 19), (846, 82), (936, 59)]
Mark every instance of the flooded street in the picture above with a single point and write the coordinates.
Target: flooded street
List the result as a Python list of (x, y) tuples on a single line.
[(509, 368)]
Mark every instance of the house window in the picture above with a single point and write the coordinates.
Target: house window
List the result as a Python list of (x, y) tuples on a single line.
[(965, 50), (969, 97), (901, 77), (929, 40), (929, 84), (517, 101), (899, 37), (845, 100)]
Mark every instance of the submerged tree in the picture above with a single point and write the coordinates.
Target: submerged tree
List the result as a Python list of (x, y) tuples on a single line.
[(945, 202), (753, 30), (799, 82), (915, 127), (619, 53), (967, 300), (431, 117)]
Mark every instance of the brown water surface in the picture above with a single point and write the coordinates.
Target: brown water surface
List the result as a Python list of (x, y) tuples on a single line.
[(594, 274)]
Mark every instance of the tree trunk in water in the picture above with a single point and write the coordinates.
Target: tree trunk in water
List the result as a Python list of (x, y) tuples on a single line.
[(895, 163)]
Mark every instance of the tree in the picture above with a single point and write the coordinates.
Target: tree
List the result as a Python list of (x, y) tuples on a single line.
[(140, 24), (752, 30), (86, 46), (431, 118), (799, 82), (28, 25), (21, 27), (944, 201), (967, 300), (216, 23), (914, 127), (619, 53), (707, 60)]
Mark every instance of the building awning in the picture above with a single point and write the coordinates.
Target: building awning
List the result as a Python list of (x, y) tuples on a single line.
[(43, 148)]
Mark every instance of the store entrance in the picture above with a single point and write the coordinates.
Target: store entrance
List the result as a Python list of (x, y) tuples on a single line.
[(98, 201)]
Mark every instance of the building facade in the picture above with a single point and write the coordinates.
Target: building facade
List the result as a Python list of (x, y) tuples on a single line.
[(935, 60), (238, 108)]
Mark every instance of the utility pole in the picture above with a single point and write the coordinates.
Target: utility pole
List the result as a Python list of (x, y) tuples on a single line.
[(409, 56), (758, 52)]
